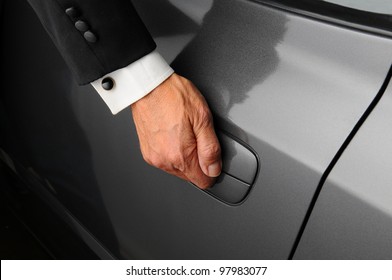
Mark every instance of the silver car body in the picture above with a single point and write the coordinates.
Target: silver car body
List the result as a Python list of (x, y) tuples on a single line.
[(292, 89)]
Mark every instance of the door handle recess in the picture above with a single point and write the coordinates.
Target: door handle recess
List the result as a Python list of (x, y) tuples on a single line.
[(239, 169)]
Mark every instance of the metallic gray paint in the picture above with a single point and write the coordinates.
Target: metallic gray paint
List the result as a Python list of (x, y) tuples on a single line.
[(353, 215), (289, 87)]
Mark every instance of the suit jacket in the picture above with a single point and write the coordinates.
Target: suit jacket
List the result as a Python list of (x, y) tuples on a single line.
[(95, 37)]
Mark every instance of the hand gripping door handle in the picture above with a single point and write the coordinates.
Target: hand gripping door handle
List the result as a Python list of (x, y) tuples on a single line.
[(239, 171)]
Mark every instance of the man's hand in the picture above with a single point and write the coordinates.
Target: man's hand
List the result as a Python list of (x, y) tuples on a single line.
[(176, 132)]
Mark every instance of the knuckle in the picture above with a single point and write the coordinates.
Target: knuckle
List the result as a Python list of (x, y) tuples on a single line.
[(204, 184), (211, 151), (146, 158), (177, 161), (155, 161)]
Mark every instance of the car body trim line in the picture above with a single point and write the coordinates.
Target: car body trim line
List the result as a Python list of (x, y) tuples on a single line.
[(352, 21), (336, 158)]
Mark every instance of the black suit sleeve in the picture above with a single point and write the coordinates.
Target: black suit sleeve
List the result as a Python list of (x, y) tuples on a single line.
[(112, 37)]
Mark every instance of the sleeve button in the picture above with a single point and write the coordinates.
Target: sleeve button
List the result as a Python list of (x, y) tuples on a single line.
[(81, 26), (72, 12), (90, 37)]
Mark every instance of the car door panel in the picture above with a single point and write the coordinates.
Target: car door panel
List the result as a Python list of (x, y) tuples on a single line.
[(352, 216), (289, 88)]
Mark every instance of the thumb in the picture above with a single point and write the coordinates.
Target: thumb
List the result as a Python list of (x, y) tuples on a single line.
[(209, 151)]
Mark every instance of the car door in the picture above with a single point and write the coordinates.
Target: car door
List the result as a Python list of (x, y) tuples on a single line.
[(287, 85)]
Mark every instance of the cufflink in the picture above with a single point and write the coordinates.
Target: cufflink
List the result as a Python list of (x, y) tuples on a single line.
[(107, 83)]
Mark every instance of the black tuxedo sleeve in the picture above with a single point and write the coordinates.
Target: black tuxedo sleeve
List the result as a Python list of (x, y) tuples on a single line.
[(95, 37)]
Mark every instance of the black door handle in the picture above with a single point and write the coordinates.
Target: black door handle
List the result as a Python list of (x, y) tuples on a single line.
[(239, 170)]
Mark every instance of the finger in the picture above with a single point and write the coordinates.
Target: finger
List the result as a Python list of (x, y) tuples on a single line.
[(195, 175), (164, 163), (190, 172), (179, 174), (209, 151)]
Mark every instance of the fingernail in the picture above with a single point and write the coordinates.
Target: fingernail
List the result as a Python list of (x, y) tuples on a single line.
[(214, 169)]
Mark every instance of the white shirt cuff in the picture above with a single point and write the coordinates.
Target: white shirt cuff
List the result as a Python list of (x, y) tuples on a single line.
[(133, 82)]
